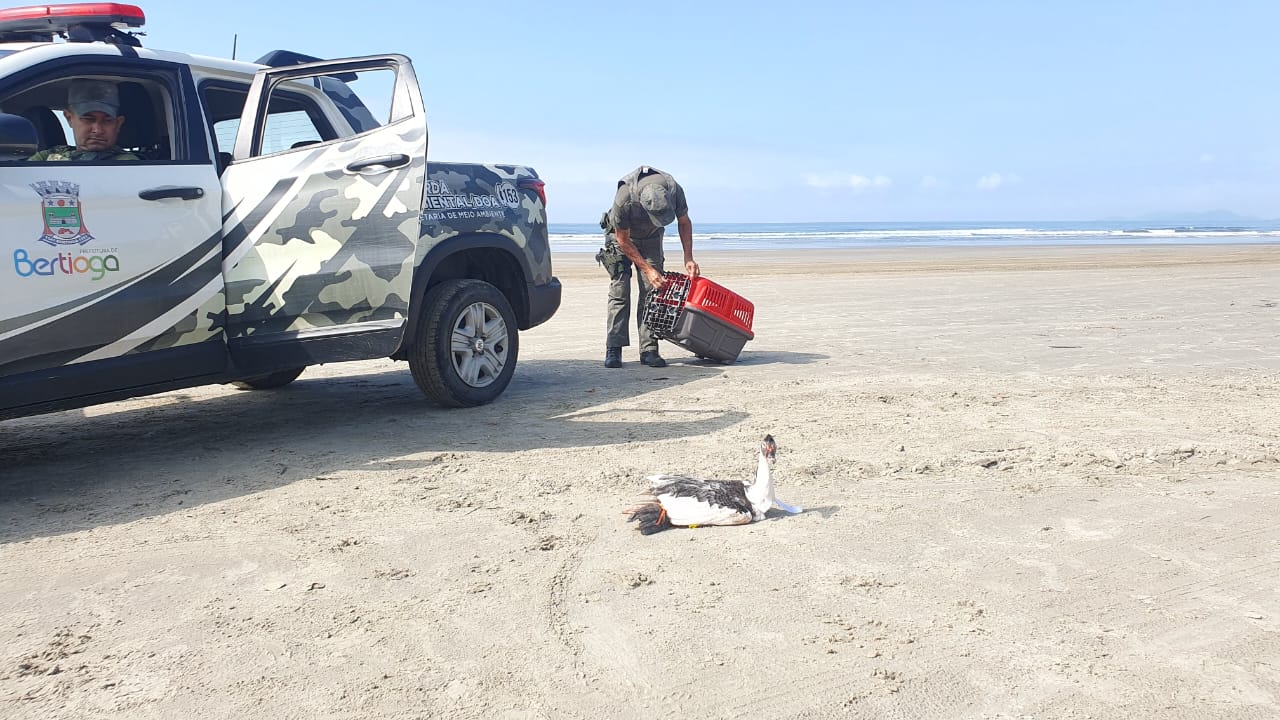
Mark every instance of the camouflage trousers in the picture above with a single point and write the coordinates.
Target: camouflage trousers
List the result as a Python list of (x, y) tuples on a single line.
[(619, 306)]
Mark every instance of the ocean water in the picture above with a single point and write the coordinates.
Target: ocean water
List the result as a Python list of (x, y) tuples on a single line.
[(587, 237)]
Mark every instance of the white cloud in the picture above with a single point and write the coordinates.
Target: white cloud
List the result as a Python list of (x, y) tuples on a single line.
[(858, 183), (1207, 158), (994, 180), (929, 181)]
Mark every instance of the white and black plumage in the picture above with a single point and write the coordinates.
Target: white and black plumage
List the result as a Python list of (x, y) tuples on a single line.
[(689, 501)]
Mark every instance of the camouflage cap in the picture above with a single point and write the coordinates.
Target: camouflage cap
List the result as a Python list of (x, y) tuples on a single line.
[(86, 96), (654, 200)]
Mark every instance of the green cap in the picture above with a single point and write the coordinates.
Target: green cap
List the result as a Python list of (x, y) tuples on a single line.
[(86, 96), (654, 200)]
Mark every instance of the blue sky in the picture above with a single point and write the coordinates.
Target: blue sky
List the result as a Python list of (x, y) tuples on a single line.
[(811, 110)]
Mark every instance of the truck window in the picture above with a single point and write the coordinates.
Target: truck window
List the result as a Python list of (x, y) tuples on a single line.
[(145, 102), (285, 129), (302, 112), (290, 121), (364, 98), (295, 119), (288, 129)]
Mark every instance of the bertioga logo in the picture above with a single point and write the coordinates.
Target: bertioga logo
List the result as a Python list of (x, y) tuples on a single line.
[(95, 266), (62, 213)]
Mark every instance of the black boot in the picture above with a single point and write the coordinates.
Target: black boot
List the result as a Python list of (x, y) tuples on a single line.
[(613, 357), (652, 359)]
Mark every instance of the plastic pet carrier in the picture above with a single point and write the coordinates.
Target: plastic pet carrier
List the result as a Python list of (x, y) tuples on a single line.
[(700, 316)]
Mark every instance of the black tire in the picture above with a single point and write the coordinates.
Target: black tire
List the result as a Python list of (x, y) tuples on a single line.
[(467, 344), (270, 381)]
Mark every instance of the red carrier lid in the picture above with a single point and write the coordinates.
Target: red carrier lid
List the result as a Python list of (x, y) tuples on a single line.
[(721, 302), (59, 18)]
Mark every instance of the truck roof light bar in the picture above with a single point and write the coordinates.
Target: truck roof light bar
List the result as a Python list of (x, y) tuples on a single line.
[(78, 22)]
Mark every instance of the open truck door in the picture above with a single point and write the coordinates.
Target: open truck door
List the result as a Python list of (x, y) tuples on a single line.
[(322, 201)]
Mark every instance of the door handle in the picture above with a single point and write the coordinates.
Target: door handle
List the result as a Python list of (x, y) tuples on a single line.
[(386, 161), (172, 191)]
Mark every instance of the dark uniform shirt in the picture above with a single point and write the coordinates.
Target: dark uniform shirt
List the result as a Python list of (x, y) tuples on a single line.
[(67, 152), (628, 214)]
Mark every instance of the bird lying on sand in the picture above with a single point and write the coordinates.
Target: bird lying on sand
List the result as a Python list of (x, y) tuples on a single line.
[(690, 501)]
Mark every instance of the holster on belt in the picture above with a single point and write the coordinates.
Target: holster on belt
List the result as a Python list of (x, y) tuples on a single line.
[(611, 257)]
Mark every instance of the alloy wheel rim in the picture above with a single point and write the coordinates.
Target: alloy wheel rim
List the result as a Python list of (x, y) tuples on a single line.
[(478, 344)]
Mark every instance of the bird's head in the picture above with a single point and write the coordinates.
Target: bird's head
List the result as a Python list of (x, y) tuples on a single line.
[(768, 448)]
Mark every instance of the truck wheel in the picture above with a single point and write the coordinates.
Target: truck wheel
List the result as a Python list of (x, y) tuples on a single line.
[(270, 380), (467, 344)]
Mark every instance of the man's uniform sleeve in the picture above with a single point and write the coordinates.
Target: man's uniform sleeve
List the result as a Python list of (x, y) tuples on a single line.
[(57, 152), (678, 202), (620, 213), (68, 153)]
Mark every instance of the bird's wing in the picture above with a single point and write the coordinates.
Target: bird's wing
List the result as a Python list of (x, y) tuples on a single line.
[(663, 479), (730, 494), (687, 510)]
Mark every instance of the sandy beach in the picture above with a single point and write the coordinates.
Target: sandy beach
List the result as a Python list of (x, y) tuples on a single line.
[(1039, 483)]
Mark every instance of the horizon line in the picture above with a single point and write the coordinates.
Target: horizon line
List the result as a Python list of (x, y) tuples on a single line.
[(1185, 221)]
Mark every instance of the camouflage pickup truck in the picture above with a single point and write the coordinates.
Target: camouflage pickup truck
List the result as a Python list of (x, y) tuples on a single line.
[(252, 219)]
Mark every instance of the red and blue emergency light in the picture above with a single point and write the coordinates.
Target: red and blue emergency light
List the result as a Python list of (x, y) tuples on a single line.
[(78, 22)]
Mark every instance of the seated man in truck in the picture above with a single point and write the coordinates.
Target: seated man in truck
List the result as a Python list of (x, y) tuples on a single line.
[(93, 112)]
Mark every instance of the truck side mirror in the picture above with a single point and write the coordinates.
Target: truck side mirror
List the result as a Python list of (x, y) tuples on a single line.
[(18, 139)]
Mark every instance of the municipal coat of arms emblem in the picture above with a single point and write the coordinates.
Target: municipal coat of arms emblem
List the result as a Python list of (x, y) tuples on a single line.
[(63, 215)]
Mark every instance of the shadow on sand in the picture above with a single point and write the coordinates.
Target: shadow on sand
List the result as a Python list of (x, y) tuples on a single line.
[(766, 357), (826, 511), (73, 470)]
